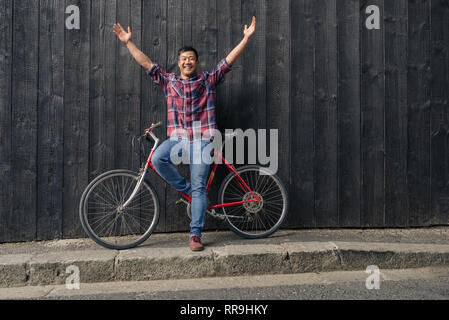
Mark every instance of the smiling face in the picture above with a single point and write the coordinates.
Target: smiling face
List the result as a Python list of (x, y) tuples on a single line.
[(188, 63)]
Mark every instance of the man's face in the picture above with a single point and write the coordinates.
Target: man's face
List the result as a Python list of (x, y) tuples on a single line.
[(188, 64)]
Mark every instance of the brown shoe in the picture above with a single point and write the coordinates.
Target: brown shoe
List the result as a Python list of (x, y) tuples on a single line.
[(195, 243)]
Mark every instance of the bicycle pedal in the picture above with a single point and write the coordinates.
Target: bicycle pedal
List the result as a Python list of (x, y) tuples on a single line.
[(215, 214), (181, 201)]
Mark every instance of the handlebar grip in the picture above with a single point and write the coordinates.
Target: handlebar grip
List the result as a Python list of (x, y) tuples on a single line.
[(154, 126)]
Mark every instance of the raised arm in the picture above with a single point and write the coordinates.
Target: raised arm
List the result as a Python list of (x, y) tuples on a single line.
[(238, 50), (138, 55)]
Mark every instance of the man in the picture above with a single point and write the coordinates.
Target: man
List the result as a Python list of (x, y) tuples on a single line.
[(191, 110)]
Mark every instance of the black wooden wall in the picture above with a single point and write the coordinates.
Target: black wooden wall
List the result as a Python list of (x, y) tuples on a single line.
[(362, 114)]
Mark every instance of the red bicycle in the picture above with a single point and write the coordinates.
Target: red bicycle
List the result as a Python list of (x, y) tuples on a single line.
[(120, 209)]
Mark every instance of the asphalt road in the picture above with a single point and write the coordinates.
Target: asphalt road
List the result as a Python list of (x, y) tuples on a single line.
[(398, 290), (408, 284)]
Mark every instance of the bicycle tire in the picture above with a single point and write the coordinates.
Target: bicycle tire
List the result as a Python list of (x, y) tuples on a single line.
[(256, 208), (114, 241)]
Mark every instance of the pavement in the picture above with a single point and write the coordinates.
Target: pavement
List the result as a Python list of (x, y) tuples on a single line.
[(168, 257)]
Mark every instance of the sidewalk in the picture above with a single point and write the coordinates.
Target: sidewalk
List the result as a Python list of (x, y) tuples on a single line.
[(167, 256)]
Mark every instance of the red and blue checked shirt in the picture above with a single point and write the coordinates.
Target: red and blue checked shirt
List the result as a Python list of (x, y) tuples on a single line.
[(190, 103)]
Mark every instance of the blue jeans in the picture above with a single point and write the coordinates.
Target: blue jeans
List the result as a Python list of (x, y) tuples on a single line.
[(163, 159)]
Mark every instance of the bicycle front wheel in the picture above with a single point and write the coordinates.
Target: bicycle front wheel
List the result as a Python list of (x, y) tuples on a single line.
[(107, 221), (254, 220)]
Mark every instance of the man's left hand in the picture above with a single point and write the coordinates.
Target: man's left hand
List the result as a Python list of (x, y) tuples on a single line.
[(249, 31)]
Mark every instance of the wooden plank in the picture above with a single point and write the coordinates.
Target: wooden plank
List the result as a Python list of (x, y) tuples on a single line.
[(229, 95), (253, 109), (102, 115), (253, 105), (396, 194), (418, 92), (175, 32), (325, 87), (51, 119), (76, 118), (439, 112), (373, 110), (302, 200), (348, 16), (22, 223), (154, 42), (128, 87), (230, 33), (205, 40), (278, 86), (6, 56), (204, 32), (188, 21), (176, 218)]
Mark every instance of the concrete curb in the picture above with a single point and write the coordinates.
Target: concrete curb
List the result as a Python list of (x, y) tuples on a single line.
[(143, 264)]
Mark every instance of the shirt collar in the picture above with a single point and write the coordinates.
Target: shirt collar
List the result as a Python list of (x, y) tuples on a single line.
[(193, 79)]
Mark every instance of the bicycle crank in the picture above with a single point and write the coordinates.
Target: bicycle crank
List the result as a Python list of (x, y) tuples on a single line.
[(188, 209)]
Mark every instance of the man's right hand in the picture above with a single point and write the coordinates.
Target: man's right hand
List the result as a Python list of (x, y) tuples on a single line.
[(124, 36), (138, 55)]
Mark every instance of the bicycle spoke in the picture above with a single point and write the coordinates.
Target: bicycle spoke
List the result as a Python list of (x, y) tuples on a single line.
[(130, 187), (103, 198), (127, 226), (275, 198), (270, 217), (274, 205), (140, 218), (134, 220), (233, 199), (261, 183), (231, 211), (108, 224), (100, 212), (99, 221), (267, 186), (274, 190), (238, 189), (113, 226), (111, 192)]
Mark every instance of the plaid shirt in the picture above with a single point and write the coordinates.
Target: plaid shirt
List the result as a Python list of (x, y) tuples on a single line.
[(190, 103)]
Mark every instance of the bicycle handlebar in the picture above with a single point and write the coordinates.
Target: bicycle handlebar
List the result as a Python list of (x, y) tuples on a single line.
[(154, 126), (149, 132)]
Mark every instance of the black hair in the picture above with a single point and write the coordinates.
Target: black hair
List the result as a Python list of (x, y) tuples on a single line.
[(188, 48)]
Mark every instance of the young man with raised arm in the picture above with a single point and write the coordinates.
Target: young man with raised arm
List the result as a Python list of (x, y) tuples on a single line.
[(190, 118)]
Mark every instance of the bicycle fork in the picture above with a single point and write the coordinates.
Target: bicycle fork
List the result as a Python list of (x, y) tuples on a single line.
[(143, 172), (136, 188)]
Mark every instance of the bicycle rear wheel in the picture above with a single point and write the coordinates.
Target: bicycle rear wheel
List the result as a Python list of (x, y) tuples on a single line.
[(104, 218), (254, 220)]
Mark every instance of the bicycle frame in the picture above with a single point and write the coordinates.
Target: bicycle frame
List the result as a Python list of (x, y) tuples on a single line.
[(231, 168)]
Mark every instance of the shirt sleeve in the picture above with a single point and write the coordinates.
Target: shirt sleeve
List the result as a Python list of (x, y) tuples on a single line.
[(159, 76), (217, 75)]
